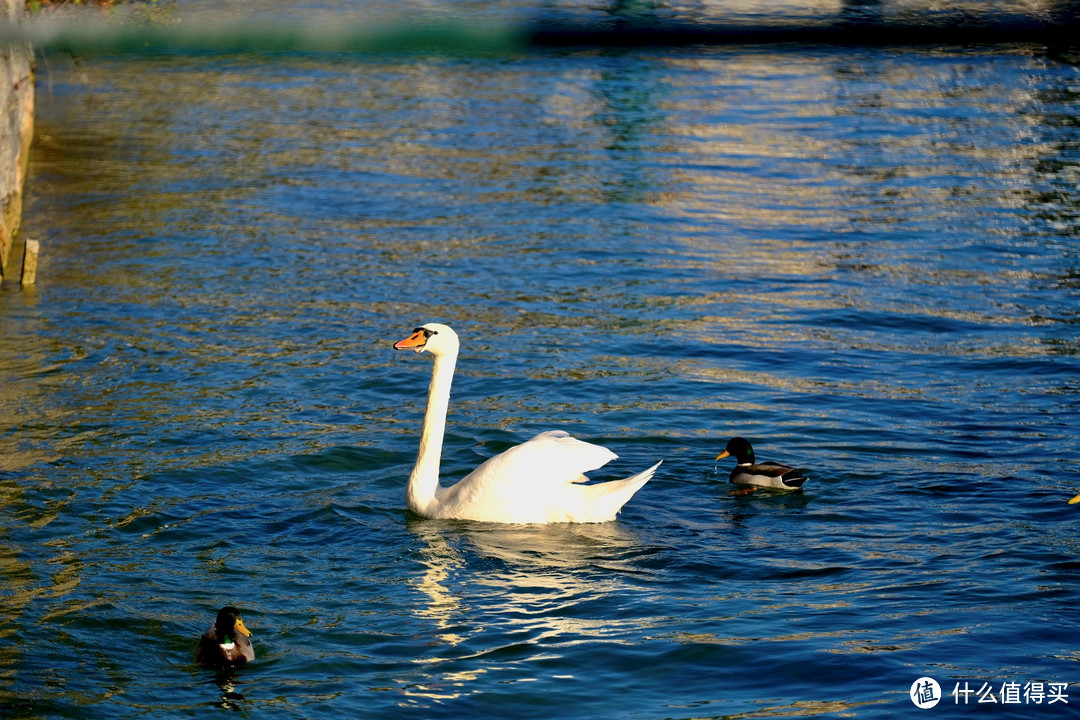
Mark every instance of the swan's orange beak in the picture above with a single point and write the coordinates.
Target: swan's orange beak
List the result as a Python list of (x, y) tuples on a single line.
[(416, 341)]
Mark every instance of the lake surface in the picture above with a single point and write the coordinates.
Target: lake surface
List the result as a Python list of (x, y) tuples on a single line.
[(866, 261)]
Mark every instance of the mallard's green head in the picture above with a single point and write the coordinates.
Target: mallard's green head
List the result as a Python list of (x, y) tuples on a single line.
[(229, 623), (741, 449)]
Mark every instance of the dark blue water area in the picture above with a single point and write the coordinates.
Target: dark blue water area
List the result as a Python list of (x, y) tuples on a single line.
[(863, 261)]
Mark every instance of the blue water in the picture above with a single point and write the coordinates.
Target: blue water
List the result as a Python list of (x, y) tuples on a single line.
[(864, 261)]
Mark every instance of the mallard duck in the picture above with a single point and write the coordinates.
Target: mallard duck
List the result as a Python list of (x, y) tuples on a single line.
[(767, 474), (225, 644)]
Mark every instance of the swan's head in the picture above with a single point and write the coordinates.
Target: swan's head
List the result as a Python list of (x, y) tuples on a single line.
[(436, 338)]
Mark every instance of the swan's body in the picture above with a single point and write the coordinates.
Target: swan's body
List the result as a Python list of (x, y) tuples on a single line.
[(539, 481), (748, 472)]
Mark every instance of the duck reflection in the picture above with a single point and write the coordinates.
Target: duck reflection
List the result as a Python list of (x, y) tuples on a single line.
[(230, 699)]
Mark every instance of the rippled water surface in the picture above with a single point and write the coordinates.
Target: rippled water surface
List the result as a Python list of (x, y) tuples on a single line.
[(865, 261)]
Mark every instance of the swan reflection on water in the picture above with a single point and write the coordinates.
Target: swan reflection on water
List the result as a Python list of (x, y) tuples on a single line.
[(532, 548), (501, 595)]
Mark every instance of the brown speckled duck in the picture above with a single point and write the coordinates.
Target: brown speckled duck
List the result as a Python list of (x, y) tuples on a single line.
[(748, 472)]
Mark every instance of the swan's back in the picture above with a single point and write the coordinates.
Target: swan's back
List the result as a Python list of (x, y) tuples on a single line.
[(540, 481)]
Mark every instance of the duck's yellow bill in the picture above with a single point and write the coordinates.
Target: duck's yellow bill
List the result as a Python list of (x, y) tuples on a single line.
[(722, 455), (239, 627), (1075, 500)]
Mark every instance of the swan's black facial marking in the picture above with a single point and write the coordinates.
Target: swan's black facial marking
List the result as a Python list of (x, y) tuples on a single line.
[(427, 332)]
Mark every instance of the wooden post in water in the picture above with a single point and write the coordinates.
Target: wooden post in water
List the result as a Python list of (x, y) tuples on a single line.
[(16, 124), (29, 264)]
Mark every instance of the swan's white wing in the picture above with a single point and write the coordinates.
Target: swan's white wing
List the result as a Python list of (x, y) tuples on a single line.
[(526, 480), (551, 458)]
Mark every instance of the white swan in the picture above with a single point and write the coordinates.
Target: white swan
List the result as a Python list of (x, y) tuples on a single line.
[(539, 481)]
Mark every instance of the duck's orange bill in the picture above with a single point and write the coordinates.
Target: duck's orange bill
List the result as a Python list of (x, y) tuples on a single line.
[(722, 455), (239, 627), (417, 340), (1075, 500)]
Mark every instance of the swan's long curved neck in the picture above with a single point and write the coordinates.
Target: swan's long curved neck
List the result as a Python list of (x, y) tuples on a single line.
[(424, 480)]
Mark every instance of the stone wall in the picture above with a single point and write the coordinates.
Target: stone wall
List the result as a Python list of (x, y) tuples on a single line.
[(16, 126)]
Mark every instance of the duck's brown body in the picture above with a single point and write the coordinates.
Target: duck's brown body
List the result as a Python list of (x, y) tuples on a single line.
[(225, 645)]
